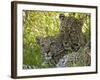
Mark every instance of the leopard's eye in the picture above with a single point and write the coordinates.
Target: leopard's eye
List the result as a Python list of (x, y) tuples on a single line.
[(65, 42), (75, 44), (42, 45), (53, 42)]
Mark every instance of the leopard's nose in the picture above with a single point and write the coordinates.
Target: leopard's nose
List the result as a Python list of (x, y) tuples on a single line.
[(48, 50)]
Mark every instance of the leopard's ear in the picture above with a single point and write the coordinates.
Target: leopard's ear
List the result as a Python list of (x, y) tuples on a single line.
[(81, 22), (61, 16), (38, 39)]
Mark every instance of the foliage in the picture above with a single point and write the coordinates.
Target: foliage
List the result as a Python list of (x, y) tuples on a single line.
[(45, 23)]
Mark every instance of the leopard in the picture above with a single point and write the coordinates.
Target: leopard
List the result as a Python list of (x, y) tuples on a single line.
[(71, 32), (51, 48)]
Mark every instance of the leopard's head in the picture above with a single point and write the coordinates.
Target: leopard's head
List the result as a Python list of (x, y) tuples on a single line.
[(44, 44)]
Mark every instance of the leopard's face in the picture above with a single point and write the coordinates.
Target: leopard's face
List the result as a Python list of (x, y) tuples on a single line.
[(51, 49), (45, 44)]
